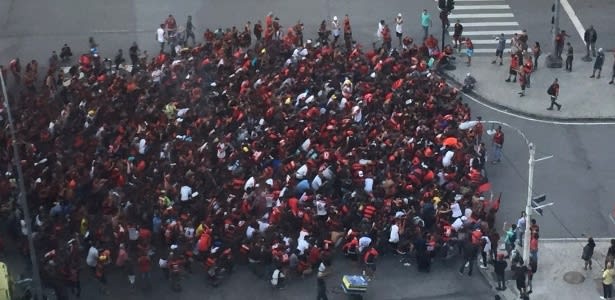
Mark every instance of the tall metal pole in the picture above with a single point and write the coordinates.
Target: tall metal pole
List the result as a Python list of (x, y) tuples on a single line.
[(36, 278), (553, 60), (528, 204)]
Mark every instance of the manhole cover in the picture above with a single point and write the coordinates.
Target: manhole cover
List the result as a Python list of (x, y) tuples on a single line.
[(574, 277)]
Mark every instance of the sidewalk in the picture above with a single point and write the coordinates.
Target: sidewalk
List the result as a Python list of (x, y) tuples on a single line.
[(583, 99), (559, 266)]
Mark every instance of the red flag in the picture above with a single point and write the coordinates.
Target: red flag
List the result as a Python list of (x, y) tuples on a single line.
[(483, 188), (496, 203)]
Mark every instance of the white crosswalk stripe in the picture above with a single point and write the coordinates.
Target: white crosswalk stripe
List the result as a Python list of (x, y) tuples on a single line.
[(482, 21)]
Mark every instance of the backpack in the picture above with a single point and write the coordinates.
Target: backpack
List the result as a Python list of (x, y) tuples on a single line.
[(551, 90)]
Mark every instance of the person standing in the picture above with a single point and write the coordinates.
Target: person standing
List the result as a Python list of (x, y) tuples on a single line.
[(258, 30), (569, 57), (521, 225), (160, 36), (560, 41), (133, 53), (588, 252), (322, 289), (598, 64), (190, 31), (498, 143), (425, 23), (499, 268), (444, 19), (613, 71), (399, 21), (499, 51), (607, 281), (537, 51), (523, 76), (520, 274), (553, 91), (514, 68), (469, 256), (335, 30), (469, 50), (590, 38), (458, 31)]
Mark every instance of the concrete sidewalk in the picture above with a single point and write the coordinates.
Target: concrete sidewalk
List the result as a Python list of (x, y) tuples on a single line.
[(560, 273), (583, 99)]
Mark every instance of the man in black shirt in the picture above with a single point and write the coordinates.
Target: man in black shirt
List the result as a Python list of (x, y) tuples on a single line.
[(569, 57)]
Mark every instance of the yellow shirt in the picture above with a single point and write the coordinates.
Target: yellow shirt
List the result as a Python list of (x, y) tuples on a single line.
[(607, 276)]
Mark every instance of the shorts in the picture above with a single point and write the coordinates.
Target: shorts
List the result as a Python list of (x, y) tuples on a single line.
[(512, 71), (469, 52), (398, 34), (499, 53)]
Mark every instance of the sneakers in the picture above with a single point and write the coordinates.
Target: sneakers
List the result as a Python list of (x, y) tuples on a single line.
[(592, 76), (507, 80), (501, 63), (611, 82), (549, 108), (493, 62), (407, 264), (483, 267), (559, 107)]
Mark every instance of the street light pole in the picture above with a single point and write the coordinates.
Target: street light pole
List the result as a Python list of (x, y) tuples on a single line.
[(528, 204), (36, 278), (553, 60)]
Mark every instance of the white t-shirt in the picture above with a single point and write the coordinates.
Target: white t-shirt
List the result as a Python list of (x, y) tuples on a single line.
[(394, 237), (250, 232), (364, 242), (456, 210), (368, 185), (316, 183), (458, 224), (276, 276), (398, 22), (302, 245), (321, 208), (142, 146), (185, 193), (262, 226), (160, 35), (92, 257)]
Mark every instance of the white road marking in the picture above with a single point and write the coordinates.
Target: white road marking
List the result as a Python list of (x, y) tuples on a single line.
[(484, 42), (488, 32), (575, 20), (489, 24), (534, 119), (469, 7), (580, 239), (479, 16)]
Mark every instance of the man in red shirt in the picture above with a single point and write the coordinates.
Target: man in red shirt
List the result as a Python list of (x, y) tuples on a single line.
[(498, 143), (553, 91), (170, 25)]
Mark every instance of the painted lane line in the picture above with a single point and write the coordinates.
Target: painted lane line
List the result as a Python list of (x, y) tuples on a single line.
[(573, 17), (470, 7), (479, 16), (489, 24), (485, 42), (530, 118), (488, 32)]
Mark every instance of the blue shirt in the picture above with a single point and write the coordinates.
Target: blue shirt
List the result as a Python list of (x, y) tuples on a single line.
[(425, 19)]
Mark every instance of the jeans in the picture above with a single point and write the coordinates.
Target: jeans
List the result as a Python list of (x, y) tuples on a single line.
[(569, 63), (425, 32), (607, 289), (470, 262), (501, 279), (497, 152), (591, 46)]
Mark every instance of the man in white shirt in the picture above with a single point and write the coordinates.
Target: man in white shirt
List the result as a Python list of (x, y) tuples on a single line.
[(521, 229), (394, 236), (185, 193), (160, 36), (398, 28), (92, 259), (364, 242)]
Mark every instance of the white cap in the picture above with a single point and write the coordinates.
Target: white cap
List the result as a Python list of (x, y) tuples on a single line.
[(399, 15), (334, 18), (399, 214), (360, 173), (468, 74), (600, 50)]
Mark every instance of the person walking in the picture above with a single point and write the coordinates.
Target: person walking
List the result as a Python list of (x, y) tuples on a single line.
[(425, 23), (537, 52), (588, 252), (607, 281), (598, 64), (399, 21), (520, 272), (509, 238), (590, 38), (569, 57), (336, 30), (499, 51), (553, 91), (469, 51), (523, 76), (160, 36), (322, 289)]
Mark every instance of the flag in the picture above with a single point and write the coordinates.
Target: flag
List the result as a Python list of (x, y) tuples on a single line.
[(483, 188), (496, 203)]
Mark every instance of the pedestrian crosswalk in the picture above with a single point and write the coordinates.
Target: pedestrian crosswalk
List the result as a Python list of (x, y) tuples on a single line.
[(482, 21)]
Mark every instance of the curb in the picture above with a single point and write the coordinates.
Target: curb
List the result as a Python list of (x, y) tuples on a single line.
[(452, 80), (508, 294)]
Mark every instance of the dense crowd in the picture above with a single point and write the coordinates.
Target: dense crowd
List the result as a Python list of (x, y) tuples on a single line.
[(264, 149)]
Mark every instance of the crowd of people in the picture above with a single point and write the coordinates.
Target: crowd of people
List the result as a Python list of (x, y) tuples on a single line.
[(251, 146)]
